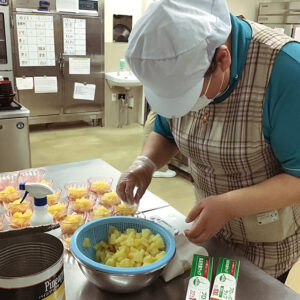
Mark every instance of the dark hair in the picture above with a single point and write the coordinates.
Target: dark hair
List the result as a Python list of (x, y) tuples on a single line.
[(213, 65)]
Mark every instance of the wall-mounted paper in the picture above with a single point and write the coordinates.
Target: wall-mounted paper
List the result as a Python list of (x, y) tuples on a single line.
[(79, 65), (35, 36), (25, 83), (74, 36), (84, 91), (45, 84), (67, 5)]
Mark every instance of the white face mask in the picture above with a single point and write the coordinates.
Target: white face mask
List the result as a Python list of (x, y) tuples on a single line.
[(203, 100)]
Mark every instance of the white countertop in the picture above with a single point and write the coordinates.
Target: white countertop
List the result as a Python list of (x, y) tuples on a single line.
[(15, 113)]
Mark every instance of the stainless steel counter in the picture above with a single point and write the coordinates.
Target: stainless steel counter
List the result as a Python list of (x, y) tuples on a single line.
[(253, 283)]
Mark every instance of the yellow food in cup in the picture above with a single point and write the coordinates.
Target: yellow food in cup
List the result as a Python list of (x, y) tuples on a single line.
[(45, 182), (9, 194), (101, 212), (101, 187), (53, 198), (70, 223), (125, 210), (19, 219), (130, 249), (16, 206), (110, 199), (77, 192), (82, 205), (58, 211)]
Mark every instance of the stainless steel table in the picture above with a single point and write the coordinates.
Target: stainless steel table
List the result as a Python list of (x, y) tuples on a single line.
[(253, 283)]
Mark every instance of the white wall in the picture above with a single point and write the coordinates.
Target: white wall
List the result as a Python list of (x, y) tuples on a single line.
[(120, 7), (248, 8)]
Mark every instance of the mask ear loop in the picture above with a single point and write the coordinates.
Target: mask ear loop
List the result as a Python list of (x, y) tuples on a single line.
[(218, 94), (208, 85)]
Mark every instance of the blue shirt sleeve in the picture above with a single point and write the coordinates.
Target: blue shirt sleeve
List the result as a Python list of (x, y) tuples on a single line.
[(281, 114), (162, 127)]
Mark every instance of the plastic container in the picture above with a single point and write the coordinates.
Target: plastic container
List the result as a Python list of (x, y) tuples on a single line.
[(54, 198), (110, 199), (16, 206), (9, 179), (100, 184), (83, 205), (76, 189), (59, 210), (32, 175), (71, 223), (9, 194)]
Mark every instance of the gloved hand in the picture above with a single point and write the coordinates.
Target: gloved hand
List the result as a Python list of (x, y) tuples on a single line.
[(138, 175)]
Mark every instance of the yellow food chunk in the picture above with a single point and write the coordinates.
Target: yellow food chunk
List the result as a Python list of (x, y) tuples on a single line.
[(110, 199), (45, 182), (70, 223), (101, 212), (19, 219), (58, 211), (130, 248), (82, 205), (125, 210), (16, 206), (77, 192), (101, 187), (86, 243), (68, 240), (53, 198), (9, 194)]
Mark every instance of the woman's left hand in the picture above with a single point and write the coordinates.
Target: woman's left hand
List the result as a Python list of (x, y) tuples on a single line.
[(210, 215)]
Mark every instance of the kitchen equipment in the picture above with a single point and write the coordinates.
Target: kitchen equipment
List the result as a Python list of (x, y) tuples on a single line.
[(31, 266), (65, 42), (6, 93), (14, 137), (6, 65), (114, 279)]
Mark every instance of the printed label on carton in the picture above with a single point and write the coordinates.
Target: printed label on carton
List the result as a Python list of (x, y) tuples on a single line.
[(200, 278), (226, 279)]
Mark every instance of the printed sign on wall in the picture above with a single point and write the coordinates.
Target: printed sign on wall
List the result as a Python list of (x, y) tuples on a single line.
[(74, 36), (35, 40)]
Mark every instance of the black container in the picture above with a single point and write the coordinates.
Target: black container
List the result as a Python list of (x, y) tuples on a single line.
[(7, 94)]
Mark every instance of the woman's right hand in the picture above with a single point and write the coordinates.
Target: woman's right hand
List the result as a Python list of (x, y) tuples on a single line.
[(139, 175)]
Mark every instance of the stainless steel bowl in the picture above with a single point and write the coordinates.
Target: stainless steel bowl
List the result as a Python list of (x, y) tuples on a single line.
[(118, 283)]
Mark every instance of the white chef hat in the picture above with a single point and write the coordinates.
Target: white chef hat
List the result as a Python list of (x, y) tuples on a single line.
[(171, 47)]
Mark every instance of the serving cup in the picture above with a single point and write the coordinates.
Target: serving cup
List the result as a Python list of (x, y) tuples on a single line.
[(9, 196), (79, 209), (18, 207), (115, 279), (54, 198), (32, 175), (93, 215), (69, 225), (76, 189), (59, 213), (100, 184), (125, 209), (109, 200), (17, 222), (9, 179)]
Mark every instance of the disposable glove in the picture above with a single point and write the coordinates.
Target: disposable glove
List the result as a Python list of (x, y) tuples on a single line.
[(138, 176)]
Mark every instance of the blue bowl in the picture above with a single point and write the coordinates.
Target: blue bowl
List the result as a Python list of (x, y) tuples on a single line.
[(97, 231)]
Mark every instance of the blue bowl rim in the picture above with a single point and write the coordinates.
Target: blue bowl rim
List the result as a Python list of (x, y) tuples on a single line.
[(116, 270)]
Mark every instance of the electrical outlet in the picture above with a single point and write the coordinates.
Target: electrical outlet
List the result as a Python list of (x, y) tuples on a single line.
[(113, 97)]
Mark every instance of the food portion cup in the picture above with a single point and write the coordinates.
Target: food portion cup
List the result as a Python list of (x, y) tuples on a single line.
[(9, 179), (84, 204), (10, 194), (76, 189), (32, 175), (16, 206), (71, 223), (100, 184), (54, 198), (18, 219), (59, 210)]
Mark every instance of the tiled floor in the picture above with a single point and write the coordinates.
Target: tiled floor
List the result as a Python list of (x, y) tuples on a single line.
[(119, 147)]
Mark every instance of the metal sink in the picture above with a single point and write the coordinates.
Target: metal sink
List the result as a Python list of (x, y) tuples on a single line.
[(124, 79)]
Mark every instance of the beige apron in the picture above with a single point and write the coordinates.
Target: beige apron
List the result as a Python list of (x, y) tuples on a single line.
[(227, 151)]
